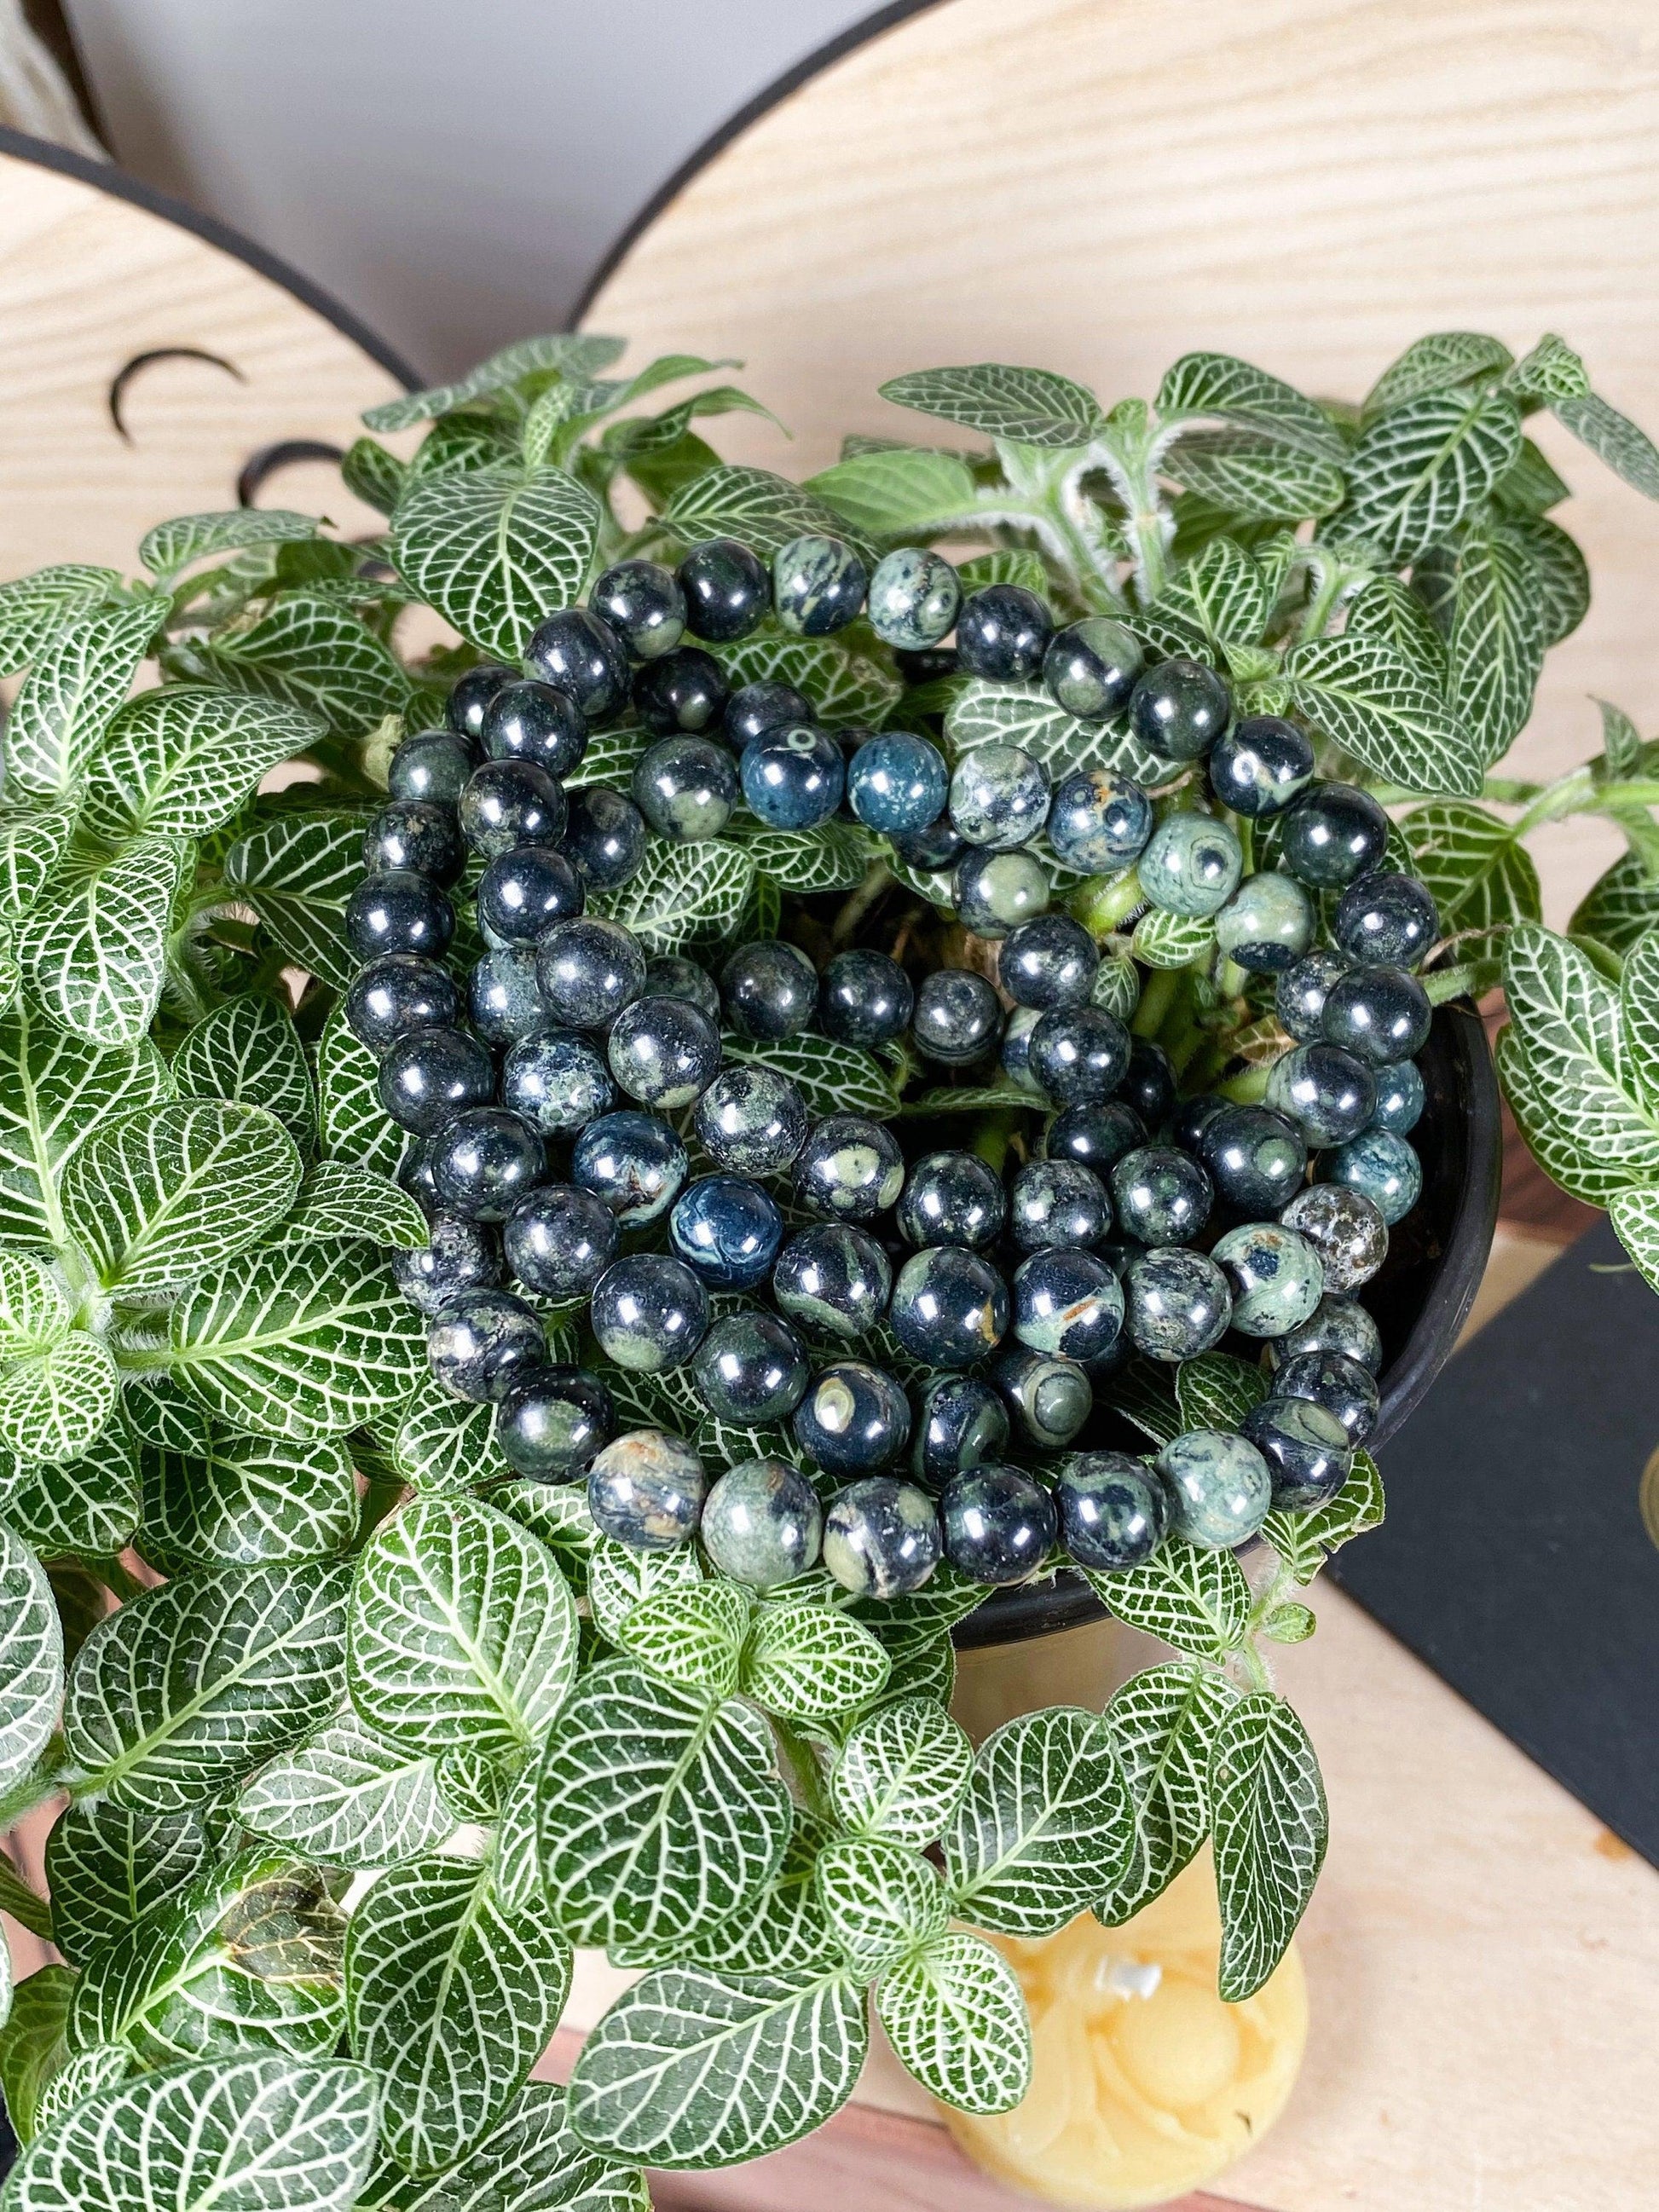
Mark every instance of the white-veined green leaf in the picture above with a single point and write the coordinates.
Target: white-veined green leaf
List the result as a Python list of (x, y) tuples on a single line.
[(249, 2134), (1304, 1539), (32, 2046), (354, 1125), (684, 895), (1225, 592), (1551, 371), (1008, 565), (107, 1864), (1389, 610), (248, 1500), (340, 1198), (833, 858), (781, 1926), (184, 759), (32, 844), (762, 509), (902, 1772), (1197, 1599), (1639, 1001), (1219, 384), (1024, 714), (82, 2075), (1268, 1817), (85, 1509), (1481, 876), (1364, 694), (620, 1578), (33, 608), (532, 2161), (1420, 469), (82, 672), (1021, 406), (1143, 1391), (186, 1689), (1255, 477), (1163, 1722), (1045, 1825), (31, 1659), (1578, 1082), (443, 1443), (946, 1597), (1439, 363), (898, 491), (1613, 437), (496, 550), (1560, 572), (98, 964), (849, 691), (1162, 939), (451, 2000), (611, 756), (833, 1079), (1616, 911), (249, 1050), (173, 545), (34, 1309), (694, 2068), (310, 652), (691, 1636), (1216, 1391), (806, 1661), (344, 1799), (880, 1898), (660, 1811), (956, 2017), (571, 353), (1497, 640), (56, 1401), (1635, 1217), (297, 871)]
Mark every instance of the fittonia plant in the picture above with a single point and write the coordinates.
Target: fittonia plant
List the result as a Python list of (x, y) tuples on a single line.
[(383, 1724)]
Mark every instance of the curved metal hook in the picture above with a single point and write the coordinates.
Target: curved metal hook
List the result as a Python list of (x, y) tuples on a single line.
[(125, 375), (267, 460)]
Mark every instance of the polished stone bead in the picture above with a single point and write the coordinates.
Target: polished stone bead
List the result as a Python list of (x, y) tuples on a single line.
[(951, 1198), (864, 999), (1260, 765), (1275, 1276), (728, 589), (1099, 821), (525, 891), (1266, 925), (1090, 667), (963, 1423), (649, 1313), (503, 999), (1387, 919), (751, 1119), (432, 765), (1400, 1098), (1341, 1386), (557, 1080), (1016, 1052), (552, 1422), (588, 970), (1003, 632), (398, 912), (576, 652), (817, 585), (686, 787), (1329, 1094), (1300, 994), (853, 1420), (999, 797), (1048, 1399), (1067, 1304), (605, 837), (646, 1490), (1191, 1118), (850, 1169), (1381, 1167), (511, 802), (931, 850), (1049, 962), (958, 1018), (533, 722), (1079, 1055), (686, 690), (995, 892), (1149, 1084), (634, 1163), (1307, 1450), (644, 604), (1380, 1014), (1345, 1228), (664, 1052), (483, 1161), (949, 1307), (427, 1075), (728, 1230), (881, 1537), (1161, 1195), (416, 837), (560, 1240), (999, 1524), (1337, 1324), (458, 1255), (1219, 1487), (1256, 1159), (415, 1176), (834, 1280), (896, 782), (754, 709), (399, 993), (793, 777), (762, 1524), (482, 1341), (470, 694), (1179, 708), (1331, 833), (671, 976), (750, 1369), (1094, 1137), (1177, 1303), (1058, 1203), (769, 988), (914, 597), (1191, 865), (1114, 1512)]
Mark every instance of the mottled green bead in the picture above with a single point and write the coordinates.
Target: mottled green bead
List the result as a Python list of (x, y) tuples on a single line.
[(914, 597), (994, 893), (1219, 1486), (1266, 925), (1383, 1168), (1274, 1275), (817, 585), (1049, 1399), (1345, 1228), (647, 1491), (762, 1524), (881, 1537), (1192, 865)]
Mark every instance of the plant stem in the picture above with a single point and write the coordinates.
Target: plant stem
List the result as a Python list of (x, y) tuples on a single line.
[(1104, 901), (859, 902), (1157, 997), (803, 1767), (1248, 1088), (992, 1136)]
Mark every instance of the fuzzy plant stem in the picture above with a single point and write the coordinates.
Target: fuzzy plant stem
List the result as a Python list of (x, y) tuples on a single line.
[(876, 878), (1157, 1000), (1248, 1088)]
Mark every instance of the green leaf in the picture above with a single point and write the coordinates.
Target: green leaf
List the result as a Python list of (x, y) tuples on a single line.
[(81, 676), (1217, 384), (1638, 1000), (833, 1079), (158, 1199), (574, 354), (1551, 371), (58, 1400), (901, 491), (1254, 477), (83, 2074), (620, 1578), (85, 1509), (25, 1906), (1439, 363), (107, 1865), (1635, 1217), (297, 871), (34, 1310), (340, 1198), (31, 845), (833, 858), (32, 2047), (781, 1926), (1364, 695), (1163, 1722), (344, 1799), (1268, 1815), (462, 1630), (247, 1499), (806, 1662), (1046, 1825), (1481, 876), (247, 2135), (1161, 939), (451, 2000), (1531, 487), (1560, 571), (287, 1346), (1226, 593), (1417, 471), (1306, 1539), (355, 1127), (1621, 741), (1021, 406), (691, 1636), (847, 690), (1627, 451), (185, 758), (1578, 1088), (1216, 1391), (531, 2161), (880, 1899), (659, 1810), (902, 1772), (684, 895), (98, 964), (1008, 565), (1496, 636), (1387, 608), (698, 2070), (314, 654), (33, 608), (443, 1443), (1197, 1599), (1618, 908), (956, 2017), (248, 1050), (31, 1659), (1024, 714), (373, 475), (186, 1689), (497, 550), (1143, 1391), (173, 545), (762, 509)]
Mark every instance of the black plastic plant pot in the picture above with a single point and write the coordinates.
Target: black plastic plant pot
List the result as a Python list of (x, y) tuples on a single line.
[(1420, 1300)]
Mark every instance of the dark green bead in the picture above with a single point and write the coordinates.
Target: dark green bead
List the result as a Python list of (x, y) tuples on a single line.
[(999, 1524), (1091, 667), (762, 1524), (1114, 1512), (881, 1537), (1275, 1277), (1179, 708), (1177, 1303), (1219, 1487), (1048, 1400), (817, 585), (914, 597), (1383, 1168), (646, 1490)]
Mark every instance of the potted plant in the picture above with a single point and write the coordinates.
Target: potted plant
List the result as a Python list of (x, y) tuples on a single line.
[(380, 1634)]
